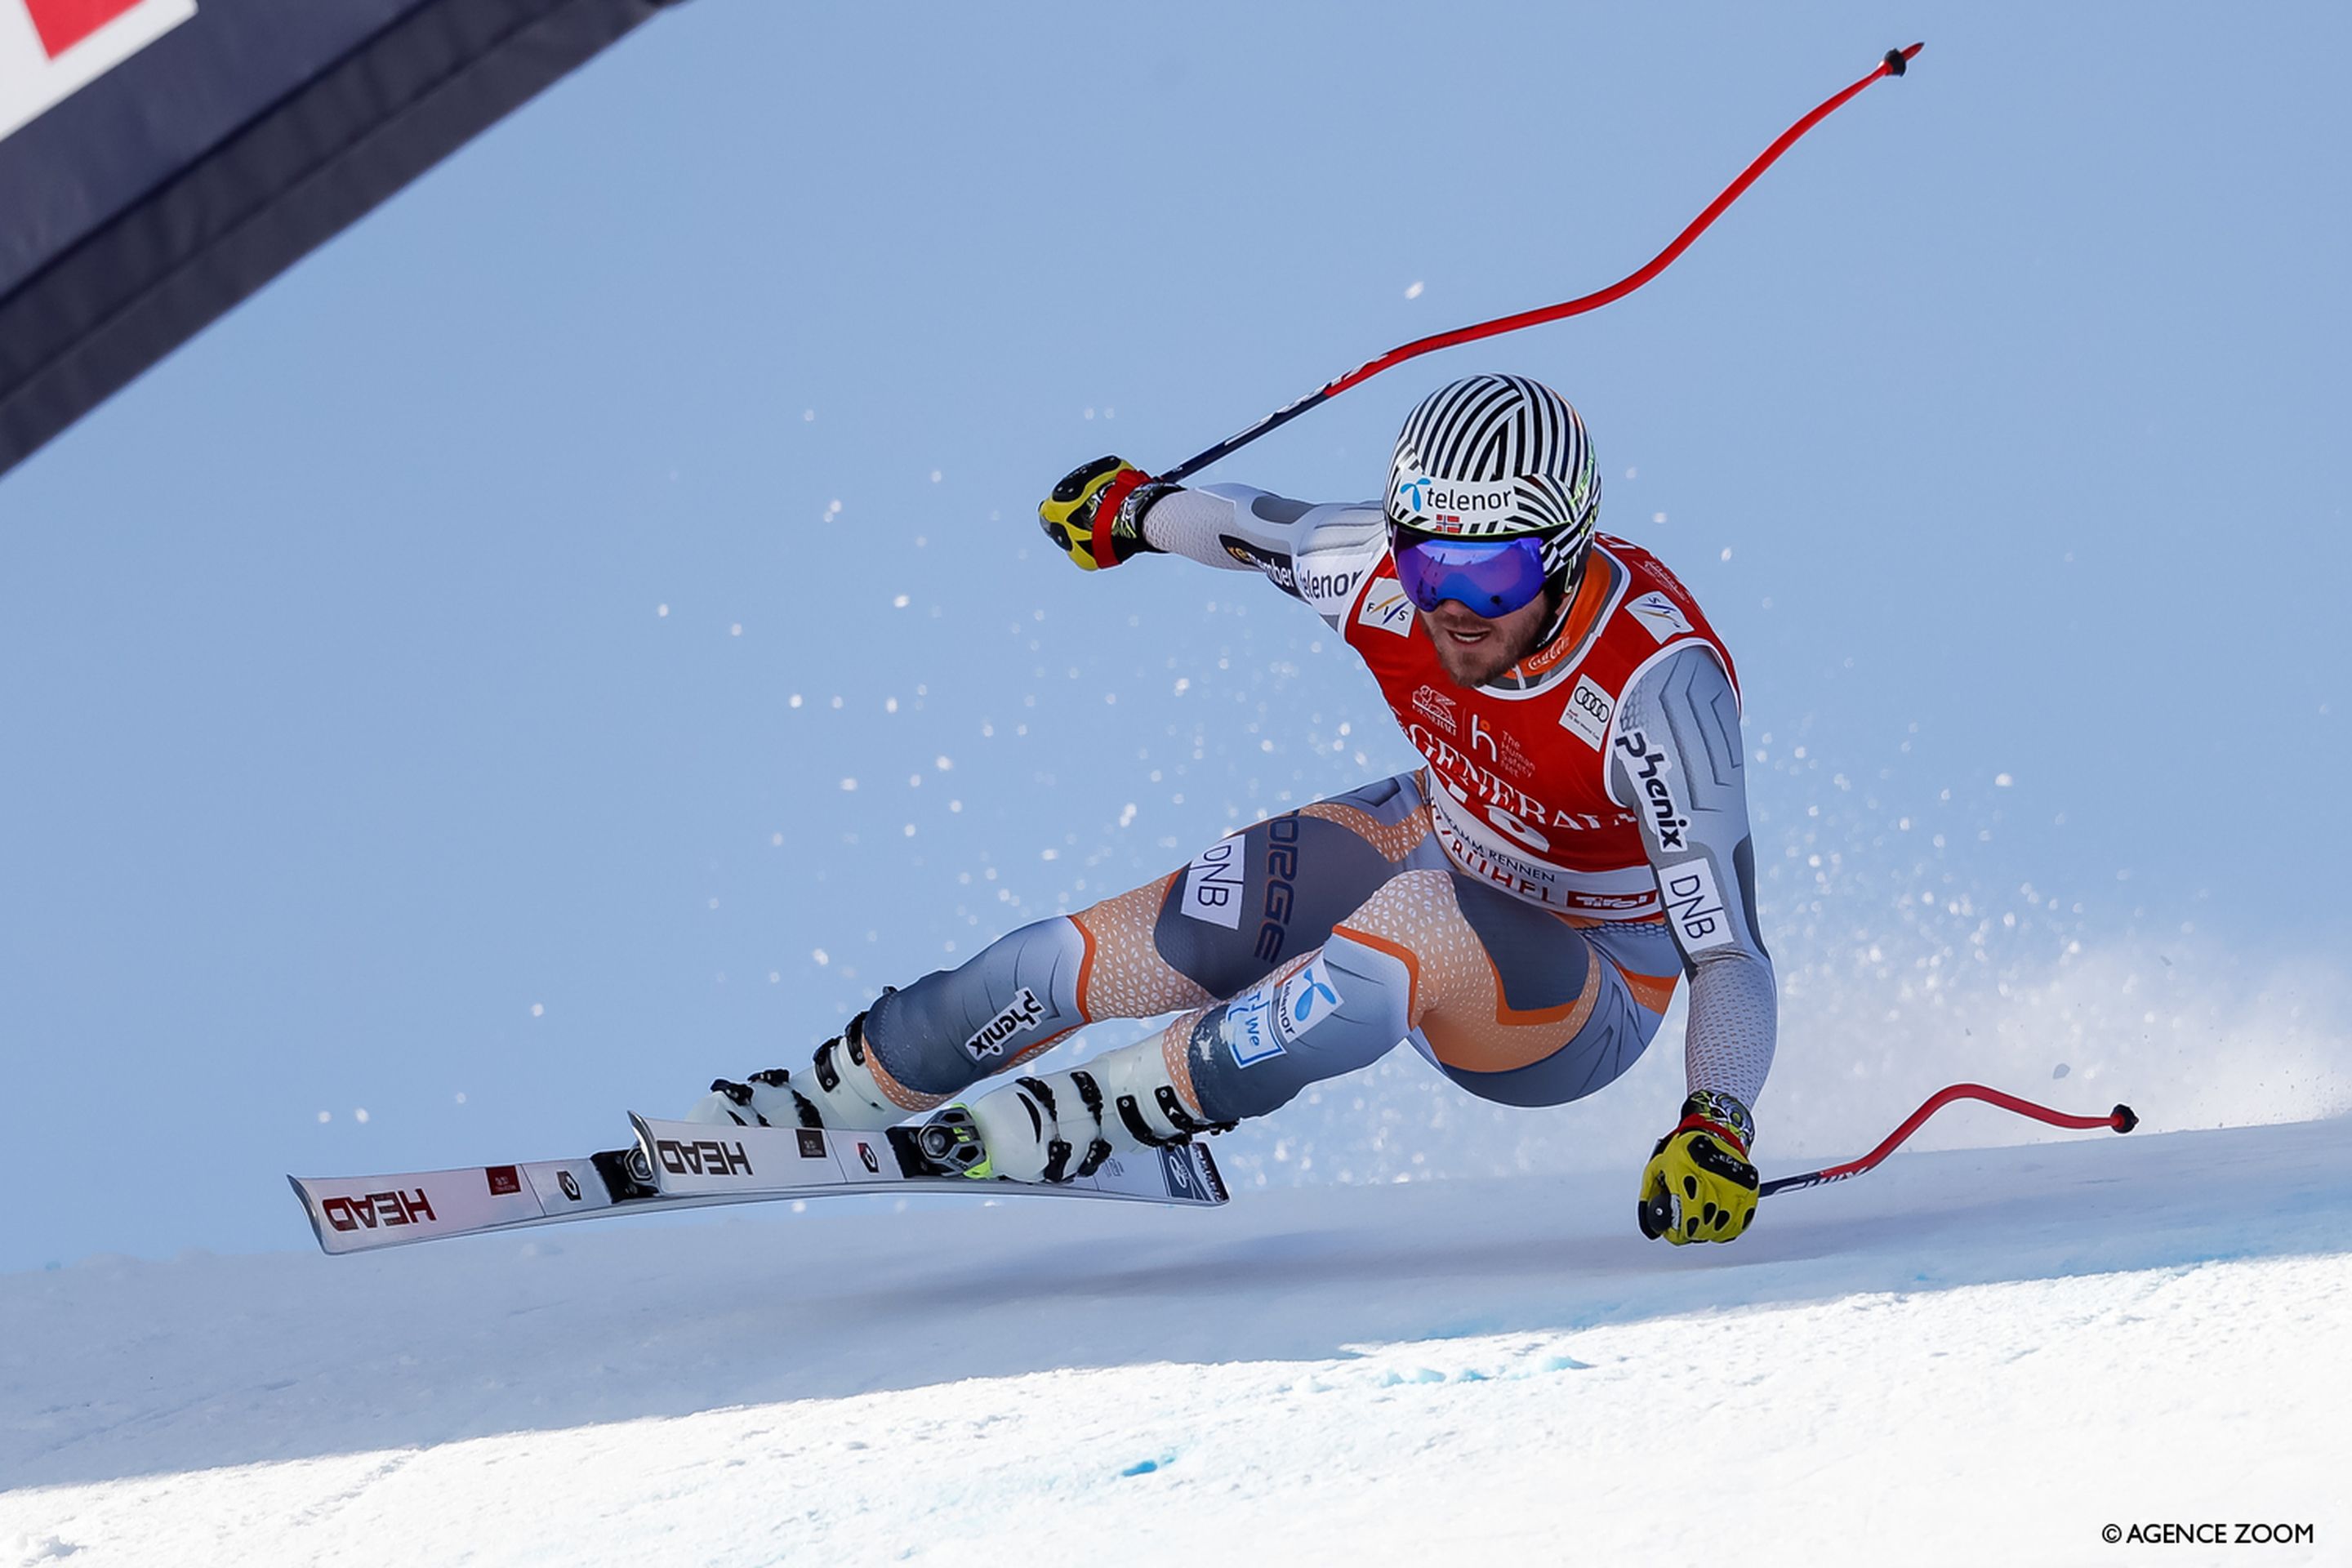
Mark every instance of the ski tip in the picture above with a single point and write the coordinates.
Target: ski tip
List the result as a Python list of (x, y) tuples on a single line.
[(310, 1211), (2122, 1118)]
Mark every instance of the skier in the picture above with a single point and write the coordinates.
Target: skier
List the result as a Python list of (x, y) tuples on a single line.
[(1520, 909)]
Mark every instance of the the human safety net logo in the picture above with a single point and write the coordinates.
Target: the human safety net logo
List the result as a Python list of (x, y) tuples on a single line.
[(1267, 1019), (51, 49)]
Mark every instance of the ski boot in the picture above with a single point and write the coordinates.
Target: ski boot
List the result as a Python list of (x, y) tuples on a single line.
[(837, 1089), (1057, 1127)]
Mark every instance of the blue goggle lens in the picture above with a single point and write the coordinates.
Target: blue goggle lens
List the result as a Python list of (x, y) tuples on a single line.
[(1488, 578)]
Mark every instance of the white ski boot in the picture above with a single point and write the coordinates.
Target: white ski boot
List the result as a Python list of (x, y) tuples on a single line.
[(837, 1089), (1059, 1126)]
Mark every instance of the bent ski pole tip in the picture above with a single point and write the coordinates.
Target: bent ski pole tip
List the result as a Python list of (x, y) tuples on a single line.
[(2123, 1117)]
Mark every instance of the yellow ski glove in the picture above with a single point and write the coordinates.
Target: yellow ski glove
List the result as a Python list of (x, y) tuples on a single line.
[(1096, 514), (1698, 1186)]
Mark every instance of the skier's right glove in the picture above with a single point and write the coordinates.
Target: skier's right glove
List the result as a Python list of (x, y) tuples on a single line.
[(1096, 514)]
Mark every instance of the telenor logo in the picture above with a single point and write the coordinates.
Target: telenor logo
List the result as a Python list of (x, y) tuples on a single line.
[(1450, 500)]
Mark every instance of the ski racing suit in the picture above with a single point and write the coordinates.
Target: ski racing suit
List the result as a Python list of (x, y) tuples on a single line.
[(1519, 908)]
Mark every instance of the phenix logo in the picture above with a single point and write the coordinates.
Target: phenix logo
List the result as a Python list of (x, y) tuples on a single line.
[(1019, 1016), (1649, 769)]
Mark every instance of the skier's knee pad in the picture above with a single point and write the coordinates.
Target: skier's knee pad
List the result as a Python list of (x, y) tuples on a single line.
[(1015, 997), (1505, 999), (1341, 1008)]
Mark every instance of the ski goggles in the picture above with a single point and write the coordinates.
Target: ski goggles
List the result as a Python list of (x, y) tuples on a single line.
[(1487, 577)]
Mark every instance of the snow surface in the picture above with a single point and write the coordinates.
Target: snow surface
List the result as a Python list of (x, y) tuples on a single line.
[(1965, 1356)]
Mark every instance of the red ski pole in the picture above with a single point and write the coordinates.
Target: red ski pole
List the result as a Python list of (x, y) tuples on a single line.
[(2122, 1119), (1894, 63)]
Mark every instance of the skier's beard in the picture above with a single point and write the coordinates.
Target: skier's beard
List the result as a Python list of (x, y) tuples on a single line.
[(1473, 649)]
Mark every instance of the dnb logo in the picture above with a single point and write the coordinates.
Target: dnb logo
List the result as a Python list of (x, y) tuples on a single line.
[(68, 44), (1176, 1169)]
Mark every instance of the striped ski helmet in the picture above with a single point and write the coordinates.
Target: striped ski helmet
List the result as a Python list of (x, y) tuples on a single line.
[(1494, 457)]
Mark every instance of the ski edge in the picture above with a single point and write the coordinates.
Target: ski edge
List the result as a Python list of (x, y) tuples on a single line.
[(371, 1213), (333, 1245)]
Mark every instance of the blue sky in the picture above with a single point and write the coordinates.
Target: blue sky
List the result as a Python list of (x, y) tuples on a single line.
[(489, 615)]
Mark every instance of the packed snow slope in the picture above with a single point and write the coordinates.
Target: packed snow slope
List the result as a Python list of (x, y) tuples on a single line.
[(1967, 1356)]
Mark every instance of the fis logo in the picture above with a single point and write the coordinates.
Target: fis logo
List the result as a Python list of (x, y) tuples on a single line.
[(1386, 608), (1019, 1015), (1660, 617), (1657, 802)]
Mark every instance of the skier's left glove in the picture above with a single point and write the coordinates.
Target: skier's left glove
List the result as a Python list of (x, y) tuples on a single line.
[(1096, 514), (1698, 1186)]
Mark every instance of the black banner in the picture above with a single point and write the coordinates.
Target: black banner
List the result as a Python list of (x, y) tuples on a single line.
[(160, 159)]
